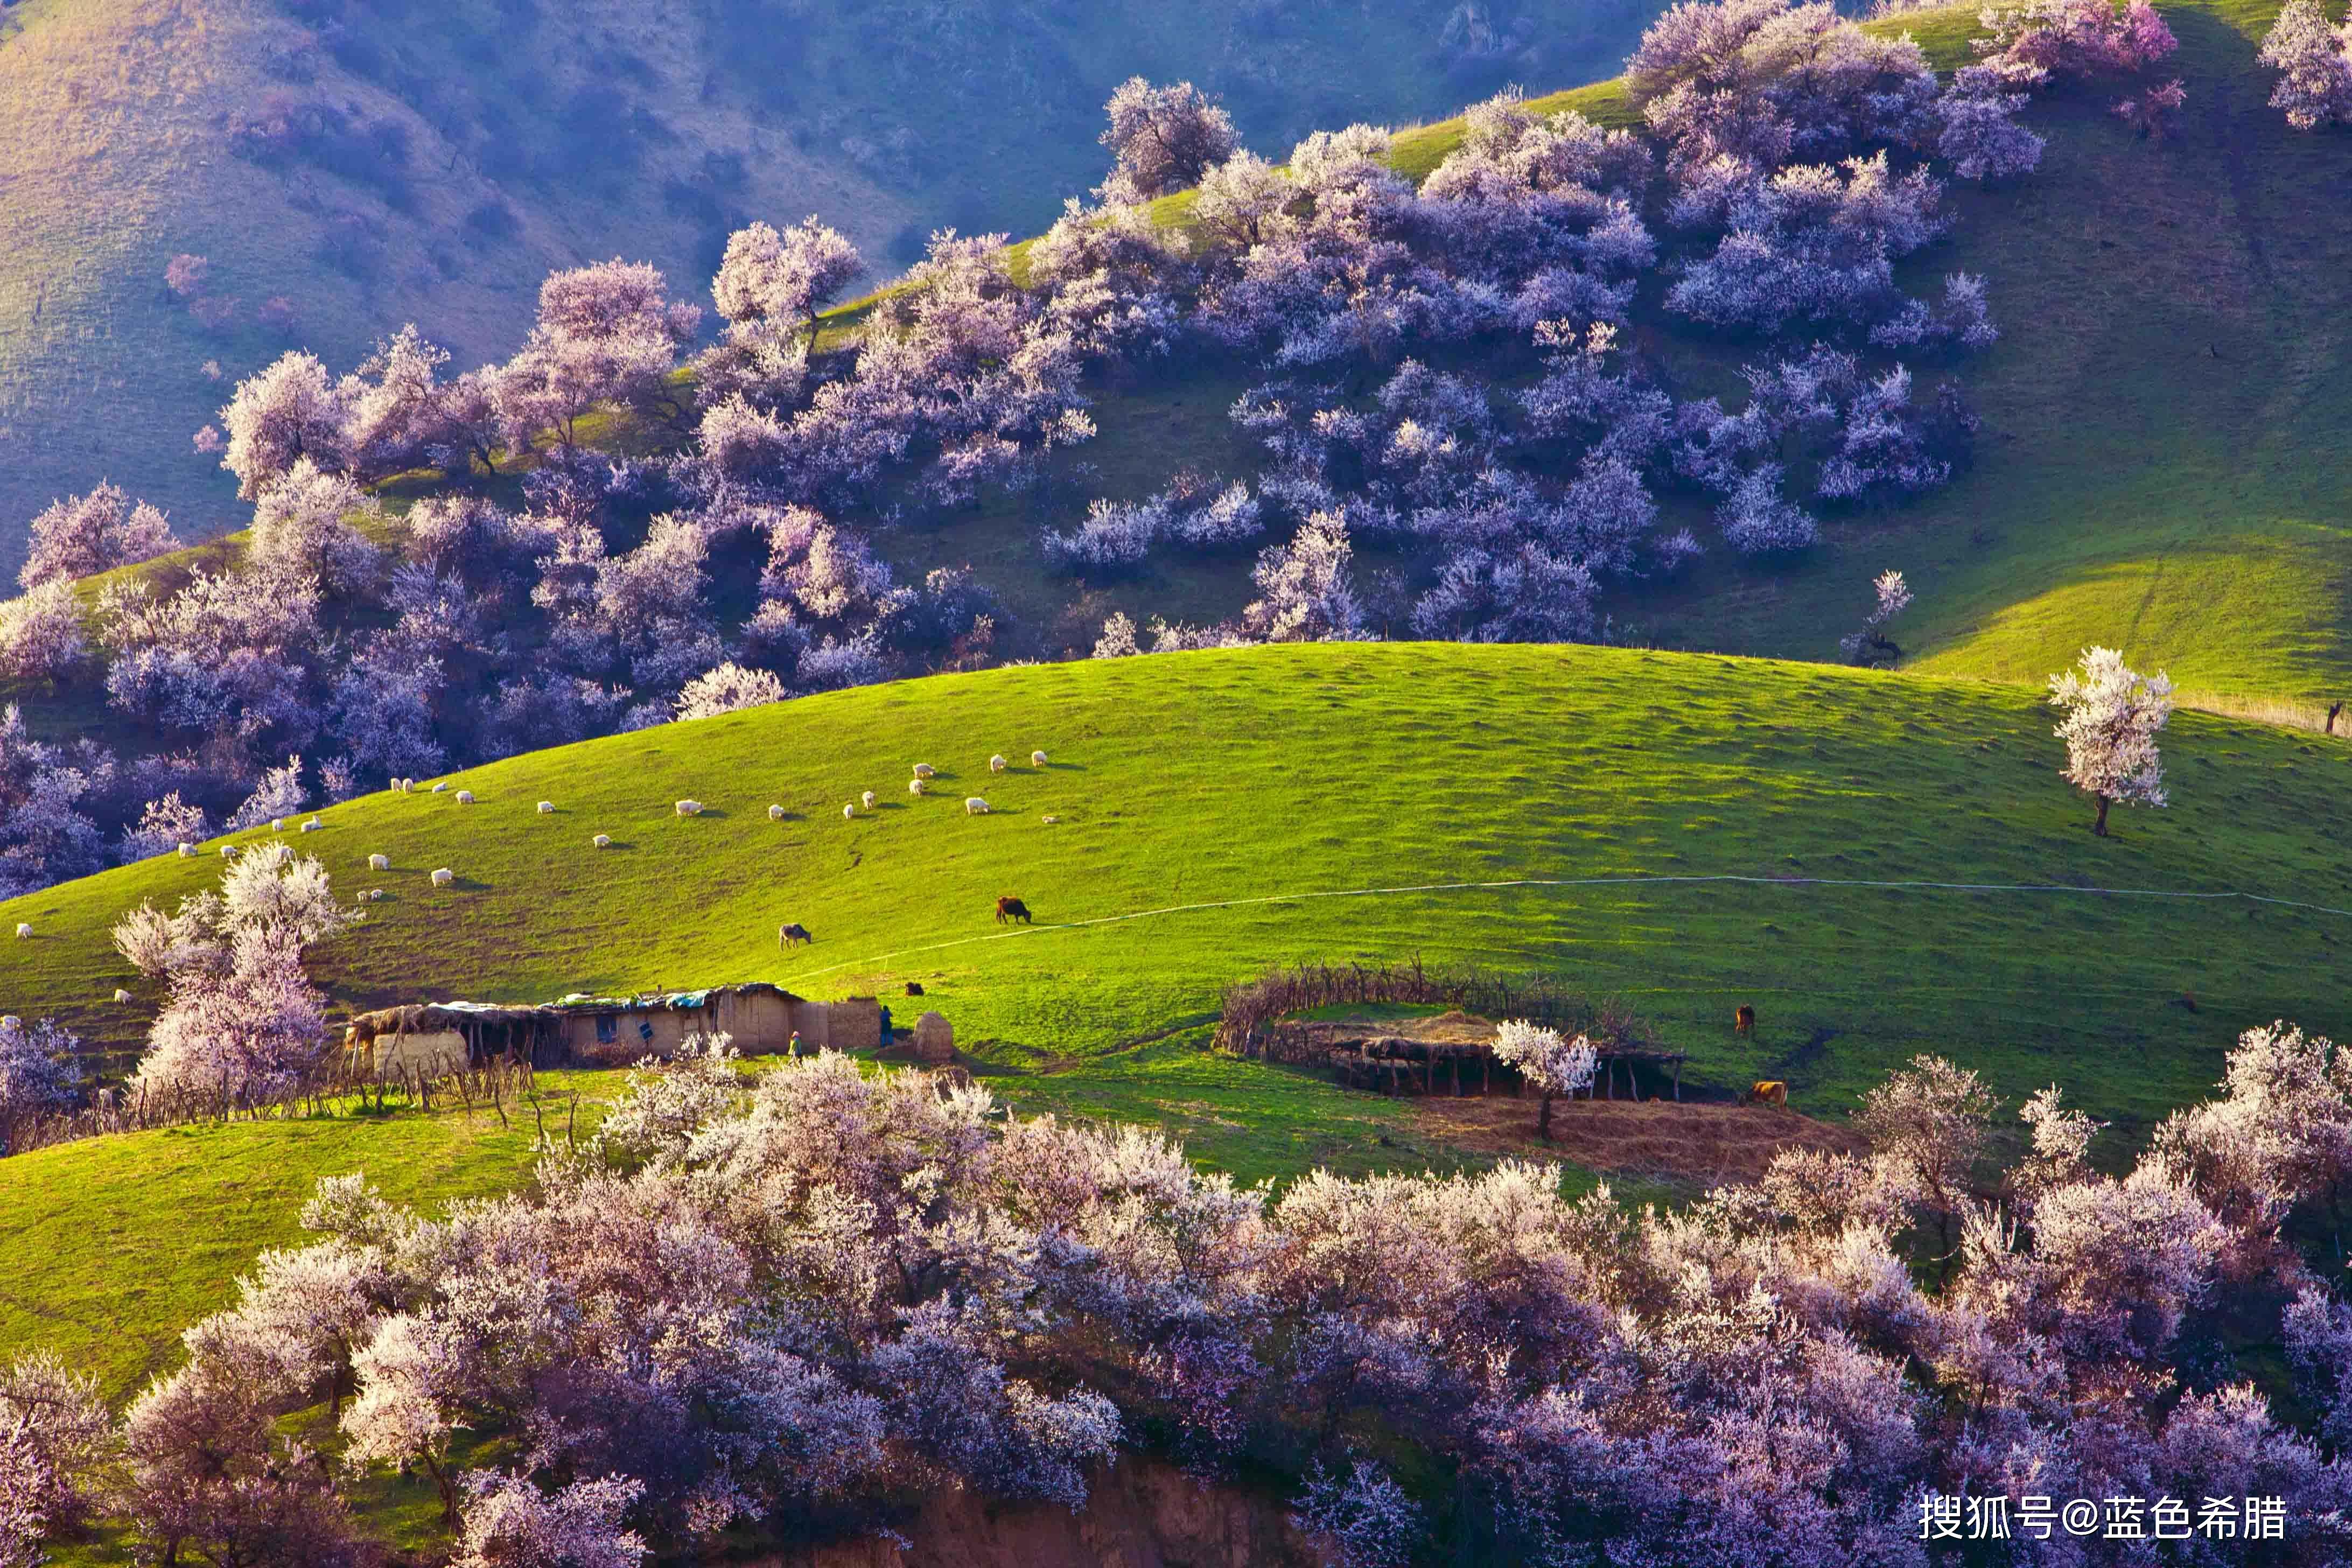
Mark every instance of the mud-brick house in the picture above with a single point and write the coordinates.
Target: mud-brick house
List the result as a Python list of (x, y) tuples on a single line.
[(761, 1018), (435, 1038)]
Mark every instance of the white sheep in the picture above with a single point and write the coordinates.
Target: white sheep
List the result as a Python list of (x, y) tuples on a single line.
[(1051, 819), (23, 930), (444, 877), (1036, 759), (228, 851), (868, 798), (276, 825), (187, 850), (602, 841), (313, 826), (975, 806), (373, 894), (439, 787), (547, 808), (121, 994), (690, 808), (914, 786), (924, 770), (849, 811), (465, 797), (996, 763), (378, 862), (775, 814)]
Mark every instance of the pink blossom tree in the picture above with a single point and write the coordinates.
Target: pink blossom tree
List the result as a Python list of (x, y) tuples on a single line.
[(289, 411), (1163, 139), (84, 535)]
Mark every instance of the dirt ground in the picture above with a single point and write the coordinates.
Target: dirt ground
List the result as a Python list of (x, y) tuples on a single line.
[(1708, 1144)]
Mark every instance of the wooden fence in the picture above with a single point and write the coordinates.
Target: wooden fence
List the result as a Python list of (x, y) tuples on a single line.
[(1247, 1024)]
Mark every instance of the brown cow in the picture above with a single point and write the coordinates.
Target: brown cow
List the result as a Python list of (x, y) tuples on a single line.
[(1743, 1022), (1011, 909), (1769, 1091), (790, 932)]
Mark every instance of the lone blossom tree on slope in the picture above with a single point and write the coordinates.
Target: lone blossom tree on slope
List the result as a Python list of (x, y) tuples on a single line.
[(2113, 714)]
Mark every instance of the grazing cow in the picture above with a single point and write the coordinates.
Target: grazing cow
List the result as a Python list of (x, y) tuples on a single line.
[(914, 988), (1010, 909), (1744, 1021), (1769, 1091), (792, 932)]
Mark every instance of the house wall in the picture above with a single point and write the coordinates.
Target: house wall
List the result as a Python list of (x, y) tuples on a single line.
[(759, 1024), (431, 1054)]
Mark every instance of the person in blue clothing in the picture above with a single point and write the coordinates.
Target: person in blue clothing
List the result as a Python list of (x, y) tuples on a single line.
[(886, 1029)]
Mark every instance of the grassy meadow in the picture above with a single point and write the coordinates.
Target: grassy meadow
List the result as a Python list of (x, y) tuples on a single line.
[(1238, 791)]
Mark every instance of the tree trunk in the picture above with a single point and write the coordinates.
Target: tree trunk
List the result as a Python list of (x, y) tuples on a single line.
[(1543, 1119), (2099, 824)]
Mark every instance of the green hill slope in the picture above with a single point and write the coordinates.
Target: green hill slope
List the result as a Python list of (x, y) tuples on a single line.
[(2163, 412), (1243, 793), (442, 159)]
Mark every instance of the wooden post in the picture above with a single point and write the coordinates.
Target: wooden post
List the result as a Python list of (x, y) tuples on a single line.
[(1678, 1080), (1486, 1074)]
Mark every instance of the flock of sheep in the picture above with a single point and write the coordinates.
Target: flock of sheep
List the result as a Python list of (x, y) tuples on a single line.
[(442, 877), (973, 805)]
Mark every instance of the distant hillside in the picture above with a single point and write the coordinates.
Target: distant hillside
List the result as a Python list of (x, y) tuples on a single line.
[(380, 163), (1233, 791)]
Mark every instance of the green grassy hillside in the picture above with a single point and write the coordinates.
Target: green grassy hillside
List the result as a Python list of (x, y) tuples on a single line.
[(480, 143), (1241, 791), (2164, 413)]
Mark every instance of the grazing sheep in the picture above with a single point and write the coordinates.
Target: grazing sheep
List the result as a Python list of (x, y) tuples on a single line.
[(849, 811), (690, 808), (775, 814), (924, 770), (439, 787), (602, 841), (378, 862), (914, 786), (1009, 909), (228, 851), (374, 894), (313, 826), (975, 806), (792, 932), (1743, 1021), (547, 808), (121, 994), (1051, 820), (1036, 759), (465, 797), (996, 763), (868, 798), (23, 930), (444, 877), (276, 825), (187, 850)]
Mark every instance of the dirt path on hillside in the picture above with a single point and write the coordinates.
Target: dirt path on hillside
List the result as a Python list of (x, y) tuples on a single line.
[(1710, 1144)]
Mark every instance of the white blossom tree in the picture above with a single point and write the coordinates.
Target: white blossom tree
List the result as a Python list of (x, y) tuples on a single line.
[(2315, 59), (1555, 1063), (2112, 717)]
